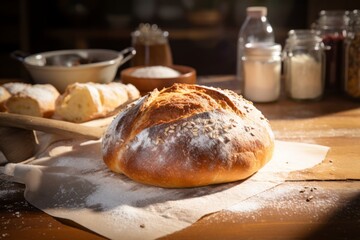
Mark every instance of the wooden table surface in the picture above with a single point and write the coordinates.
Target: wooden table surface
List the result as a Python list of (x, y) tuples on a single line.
[(318, 203)]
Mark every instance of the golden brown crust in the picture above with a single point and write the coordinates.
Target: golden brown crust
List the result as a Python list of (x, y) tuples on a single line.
[(187, 136)]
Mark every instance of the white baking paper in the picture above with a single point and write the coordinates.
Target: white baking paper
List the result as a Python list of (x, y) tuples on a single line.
[(70, 180)]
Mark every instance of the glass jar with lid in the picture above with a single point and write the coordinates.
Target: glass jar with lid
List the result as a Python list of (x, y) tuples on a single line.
[(352, 59), (151, 45), (304, 65), (262, 71), (332, 26)]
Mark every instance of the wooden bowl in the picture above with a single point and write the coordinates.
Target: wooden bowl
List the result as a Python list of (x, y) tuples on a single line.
[(145, 85)]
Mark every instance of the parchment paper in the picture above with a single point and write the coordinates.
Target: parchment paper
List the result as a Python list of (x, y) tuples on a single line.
[(70, 180)]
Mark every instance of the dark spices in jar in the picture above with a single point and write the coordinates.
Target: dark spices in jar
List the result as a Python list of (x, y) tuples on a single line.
[(352, 79), (334, 61), (332, 25)]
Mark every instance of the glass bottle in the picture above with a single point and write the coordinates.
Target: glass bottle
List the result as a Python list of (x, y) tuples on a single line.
[(333, 27), (262, 71), (255, 29), (352, 59), (152, 46), (304, 65)]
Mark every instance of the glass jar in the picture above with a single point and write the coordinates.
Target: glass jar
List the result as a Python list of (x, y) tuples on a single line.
[(332, 26), (262, 72), (352, 59), (152, 46), (304, 65)]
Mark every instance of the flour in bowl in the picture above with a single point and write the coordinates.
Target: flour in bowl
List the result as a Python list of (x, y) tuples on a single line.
[(155, 72)]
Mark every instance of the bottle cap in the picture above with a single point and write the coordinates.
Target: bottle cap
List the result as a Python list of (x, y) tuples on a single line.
[(256, 11)]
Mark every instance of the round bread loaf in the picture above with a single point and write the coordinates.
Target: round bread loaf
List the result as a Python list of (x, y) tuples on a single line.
[(187, 136)]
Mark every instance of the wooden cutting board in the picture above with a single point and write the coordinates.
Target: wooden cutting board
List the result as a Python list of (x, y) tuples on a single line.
[(18, 140), (51, 126)]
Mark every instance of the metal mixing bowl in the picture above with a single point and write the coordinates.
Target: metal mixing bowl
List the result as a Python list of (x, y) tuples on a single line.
[(64, 67)]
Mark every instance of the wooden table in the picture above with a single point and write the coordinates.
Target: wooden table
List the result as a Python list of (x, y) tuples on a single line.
[(318, 203)]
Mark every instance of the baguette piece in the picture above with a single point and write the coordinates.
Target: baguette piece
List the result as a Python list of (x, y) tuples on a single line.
[(188, 136), (35, 100), (82, 102), (4, 96)]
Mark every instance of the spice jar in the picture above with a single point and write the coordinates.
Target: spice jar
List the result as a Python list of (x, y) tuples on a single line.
[(352, 60), (332, 26), (304, 67), (151, 45), (262, 71)]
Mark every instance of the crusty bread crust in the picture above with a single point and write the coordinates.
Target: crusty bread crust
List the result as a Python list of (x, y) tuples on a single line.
[(187, 136)]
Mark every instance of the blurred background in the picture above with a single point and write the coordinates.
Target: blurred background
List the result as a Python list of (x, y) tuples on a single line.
[(203, 33)]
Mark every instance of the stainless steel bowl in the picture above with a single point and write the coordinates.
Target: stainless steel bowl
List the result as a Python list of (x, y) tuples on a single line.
[(64, 67)]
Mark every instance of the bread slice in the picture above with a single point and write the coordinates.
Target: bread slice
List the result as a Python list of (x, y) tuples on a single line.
[(133, 92), (79, 103), (34, 100), (112, 95), (83, 102)]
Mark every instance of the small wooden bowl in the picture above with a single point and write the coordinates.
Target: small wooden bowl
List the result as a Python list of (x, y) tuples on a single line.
[(145, 85)]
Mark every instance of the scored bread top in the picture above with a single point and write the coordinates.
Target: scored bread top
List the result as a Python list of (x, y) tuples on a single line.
[(188, 135)]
